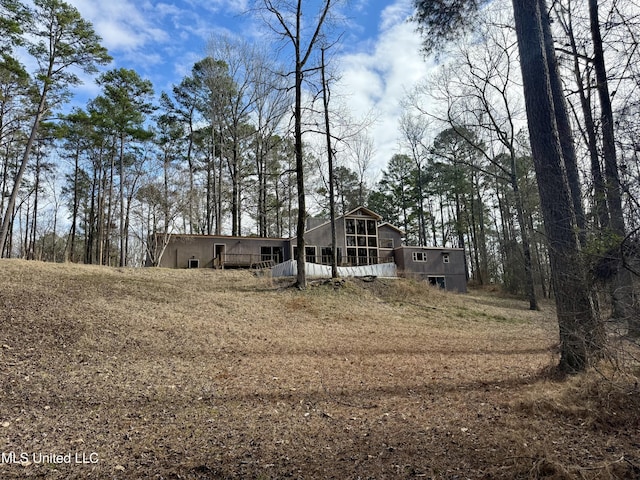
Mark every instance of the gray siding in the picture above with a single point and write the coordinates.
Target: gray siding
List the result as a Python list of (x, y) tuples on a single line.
[(238, 252), (390, 238), (429, 262)]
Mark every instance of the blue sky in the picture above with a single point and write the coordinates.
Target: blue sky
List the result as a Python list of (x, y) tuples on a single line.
[(378, 62)]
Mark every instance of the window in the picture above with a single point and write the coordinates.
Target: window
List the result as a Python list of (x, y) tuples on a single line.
[(350, 226), (271, 253), (437, 282), (193, 263), (310, 254), (327, 256), (361, 235), (419, 256), (386, 243), (445, 258)]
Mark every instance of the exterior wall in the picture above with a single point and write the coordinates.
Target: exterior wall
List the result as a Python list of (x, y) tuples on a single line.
[(389, 238), (432, 266), (238, 252), (389, 233)]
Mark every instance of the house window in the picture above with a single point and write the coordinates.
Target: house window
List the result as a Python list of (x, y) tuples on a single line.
[(445, 258), (419, 256), (386, 243), (193, 263), (310, 254), (437, 282), (271, 253), (361, 239), (327, 255), (350, 226)]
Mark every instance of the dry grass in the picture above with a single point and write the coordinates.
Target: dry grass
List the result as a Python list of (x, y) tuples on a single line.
[(201, 374)]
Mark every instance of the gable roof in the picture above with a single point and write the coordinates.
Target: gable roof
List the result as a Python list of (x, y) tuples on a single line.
[(391, 226), (368, 212)]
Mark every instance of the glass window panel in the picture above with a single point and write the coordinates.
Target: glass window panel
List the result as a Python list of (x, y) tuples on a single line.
[(350, 226), (310, 254)]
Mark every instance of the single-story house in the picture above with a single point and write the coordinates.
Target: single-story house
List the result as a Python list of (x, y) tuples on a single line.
[(362, 239)]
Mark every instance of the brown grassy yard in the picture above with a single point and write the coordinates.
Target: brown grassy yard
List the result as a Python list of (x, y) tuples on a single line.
[(167, 374)]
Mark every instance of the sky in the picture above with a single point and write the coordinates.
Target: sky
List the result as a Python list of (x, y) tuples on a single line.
[(379, 58)]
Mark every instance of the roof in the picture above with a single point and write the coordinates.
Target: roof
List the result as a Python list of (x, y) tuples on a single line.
[(225, 237), (371, 213), (441, 249), (392, 226)]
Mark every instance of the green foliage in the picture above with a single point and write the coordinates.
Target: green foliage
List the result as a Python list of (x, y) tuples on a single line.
[(13, 18), (125, 102), (62, 39), (346, 189), (444, 20), (603, 254)]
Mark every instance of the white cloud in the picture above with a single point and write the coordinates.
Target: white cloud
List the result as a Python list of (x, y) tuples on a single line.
[(395, 14), (125, 26), (377, 79)]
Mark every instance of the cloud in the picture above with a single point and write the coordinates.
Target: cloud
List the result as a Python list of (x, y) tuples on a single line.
[(378, 77), (124, 25), (395, 14)]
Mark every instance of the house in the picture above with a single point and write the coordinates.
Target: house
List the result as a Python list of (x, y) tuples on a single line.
[(362, 239)]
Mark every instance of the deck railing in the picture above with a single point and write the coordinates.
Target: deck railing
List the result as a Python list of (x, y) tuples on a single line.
[(251, 260)]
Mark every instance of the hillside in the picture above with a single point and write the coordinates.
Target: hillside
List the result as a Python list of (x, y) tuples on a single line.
[(153, 373)]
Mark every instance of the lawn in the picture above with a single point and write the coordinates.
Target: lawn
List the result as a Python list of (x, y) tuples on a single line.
[(202, 374)]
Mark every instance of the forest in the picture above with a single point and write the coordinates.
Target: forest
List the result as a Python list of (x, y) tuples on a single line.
[(250, 144)]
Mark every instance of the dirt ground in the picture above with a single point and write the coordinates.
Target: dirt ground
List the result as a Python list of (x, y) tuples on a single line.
[(150, 373)]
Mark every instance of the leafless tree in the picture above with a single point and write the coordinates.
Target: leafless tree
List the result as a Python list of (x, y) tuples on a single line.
[(302, 31)]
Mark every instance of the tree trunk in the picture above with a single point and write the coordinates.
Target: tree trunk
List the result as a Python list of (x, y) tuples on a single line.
[(622, 287), (123, 243), (581, 332), (4, 230), (563, 125), (75, 207), (301, 279), (600, 202), (332, 202)]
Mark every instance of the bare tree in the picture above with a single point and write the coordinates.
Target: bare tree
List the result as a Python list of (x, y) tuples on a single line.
[(287, 19)]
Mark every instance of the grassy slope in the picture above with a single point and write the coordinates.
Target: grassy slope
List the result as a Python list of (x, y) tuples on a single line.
[(205, 374)]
